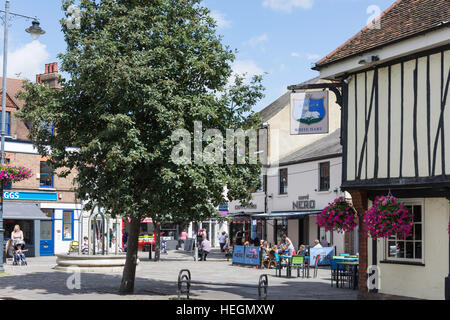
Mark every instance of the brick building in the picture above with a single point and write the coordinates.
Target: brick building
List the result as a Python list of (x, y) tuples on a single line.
[(45, 206)]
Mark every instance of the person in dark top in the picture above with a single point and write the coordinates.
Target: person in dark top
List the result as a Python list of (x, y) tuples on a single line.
[(239, 236), (125, 240)]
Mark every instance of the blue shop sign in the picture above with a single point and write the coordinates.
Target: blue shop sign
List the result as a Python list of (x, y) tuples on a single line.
[(252, 256), (238, 254), (16, 195)]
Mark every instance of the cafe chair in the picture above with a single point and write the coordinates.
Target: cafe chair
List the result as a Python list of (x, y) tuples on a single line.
[(280, 264), (298, 262)]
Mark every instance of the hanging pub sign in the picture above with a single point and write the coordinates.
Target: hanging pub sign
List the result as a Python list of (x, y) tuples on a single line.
[(309, 112)]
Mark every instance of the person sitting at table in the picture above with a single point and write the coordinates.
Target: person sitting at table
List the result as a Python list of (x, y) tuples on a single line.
[(287, 245), (317, 244), (246, 244), (302, 250)]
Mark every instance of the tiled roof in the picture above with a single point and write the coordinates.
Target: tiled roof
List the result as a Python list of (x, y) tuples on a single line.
[(327, 146), (12, 87), (404, 19)]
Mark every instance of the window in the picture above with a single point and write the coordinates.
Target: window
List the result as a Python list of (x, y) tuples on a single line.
[(324, 174), (410, 249), (283, 181), (281, 228), (262, 183), (46, 175), (49, 126), (8, 123), (68, 225)]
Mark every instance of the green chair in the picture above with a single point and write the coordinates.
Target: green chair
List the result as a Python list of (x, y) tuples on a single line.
[(298, 262)]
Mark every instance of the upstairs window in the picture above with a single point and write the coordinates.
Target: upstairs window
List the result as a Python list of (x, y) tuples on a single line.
[(283, 181), (46, 175), (49, 126), (324, 176)]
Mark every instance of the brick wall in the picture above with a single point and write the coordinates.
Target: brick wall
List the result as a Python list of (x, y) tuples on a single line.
[(360, 202), (63, 186)]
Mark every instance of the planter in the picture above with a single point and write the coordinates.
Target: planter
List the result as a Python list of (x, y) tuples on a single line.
[(388, 217), (338, 216)]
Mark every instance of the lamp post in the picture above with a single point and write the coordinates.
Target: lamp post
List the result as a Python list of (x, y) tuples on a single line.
[(35, 31)]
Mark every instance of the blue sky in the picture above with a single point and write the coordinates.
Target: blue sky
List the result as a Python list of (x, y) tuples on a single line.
[(280, 37)]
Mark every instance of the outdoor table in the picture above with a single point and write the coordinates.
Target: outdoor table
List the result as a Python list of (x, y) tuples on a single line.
[(346, 266)]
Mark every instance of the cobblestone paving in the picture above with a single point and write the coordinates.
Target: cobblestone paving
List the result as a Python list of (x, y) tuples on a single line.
[(158, 280)]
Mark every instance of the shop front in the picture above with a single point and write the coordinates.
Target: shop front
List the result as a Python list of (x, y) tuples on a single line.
[(31, 220)]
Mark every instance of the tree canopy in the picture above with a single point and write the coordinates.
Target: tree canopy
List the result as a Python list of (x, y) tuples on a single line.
[(137, 71)]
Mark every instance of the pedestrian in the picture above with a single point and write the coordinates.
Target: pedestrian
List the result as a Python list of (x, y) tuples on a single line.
[(324, 242), (125, 240), (85, 247), (17, 236), (205, 248), (223, 241), (239, 236), (317, 244)]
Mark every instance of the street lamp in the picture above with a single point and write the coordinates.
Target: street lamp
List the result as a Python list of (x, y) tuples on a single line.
[(35, 30)]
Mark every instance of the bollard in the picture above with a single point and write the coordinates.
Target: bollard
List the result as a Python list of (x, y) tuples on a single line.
[(150, 252)]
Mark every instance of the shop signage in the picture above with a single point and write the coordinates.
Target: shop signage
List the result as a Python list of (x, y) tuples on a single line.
[(303, 202), (239, 207), (238, 254), (309, 112), (252, 256), (44, 196), (246, 255), (326, 254)]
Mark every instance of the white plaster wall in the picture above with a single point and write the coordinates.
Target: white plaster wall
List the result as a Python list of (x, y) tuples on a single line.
[(426, 282)]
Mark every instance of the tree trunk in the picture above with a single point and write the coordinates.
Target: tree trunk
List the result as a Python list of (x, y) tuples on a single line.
[(129, 271), (157, 240)]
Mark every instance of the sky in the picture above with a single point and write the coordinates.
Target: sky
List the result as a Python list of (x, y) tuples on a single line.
[(280, 39)]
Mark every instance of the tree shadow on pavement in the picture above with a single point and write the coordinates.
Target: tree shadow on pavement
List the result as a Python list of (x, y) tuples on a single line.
[(51, 283)]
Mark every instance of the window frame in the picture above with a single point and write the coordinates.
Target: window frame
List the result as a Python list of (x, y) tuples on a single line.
[(285, 186), (405, 203), (47, 167), (320, 189), (64, 224)]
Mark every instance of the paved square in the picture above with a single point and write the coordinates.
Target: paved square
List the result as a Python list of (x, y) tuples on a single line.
[(158, 280)]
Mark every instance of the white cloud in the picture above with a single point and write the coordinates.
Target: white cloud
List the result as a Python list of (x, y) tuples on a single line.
[(295, 54), (247, 67), (253, 42), (288, 5), (27, 61), (222, 21), (313, 56)]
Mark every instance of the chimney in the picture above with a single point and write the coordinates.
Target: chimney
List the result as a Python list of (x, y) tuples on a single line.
[(50, 76)]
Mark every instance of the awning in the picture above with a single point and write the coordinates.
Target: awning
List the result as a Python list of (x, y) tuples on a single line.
[(243, 214), (23, 211), (286, 214)]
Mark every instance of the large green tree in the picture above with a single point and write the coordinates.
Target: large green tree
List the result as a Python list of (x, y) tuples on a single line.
[(138, 70)]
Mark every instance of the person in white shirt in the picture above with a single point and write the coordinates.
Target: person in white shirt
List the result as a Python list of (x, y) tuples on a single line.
[(317, 244)]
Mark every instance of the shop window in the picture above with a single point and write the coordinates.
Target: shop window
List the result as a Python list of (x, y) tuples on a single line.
[(324, 174), (46, 175), (68, 225), (411, 248), (283, 180)]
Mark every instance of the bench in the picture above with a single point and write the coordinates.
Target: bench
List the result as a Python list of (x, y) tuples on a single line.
[(184, 278)]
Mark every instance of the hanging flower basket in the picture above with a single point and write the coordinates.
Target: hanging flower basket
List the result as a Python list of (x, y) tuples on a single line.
[(338, 216), (388, 217), (10, 174)]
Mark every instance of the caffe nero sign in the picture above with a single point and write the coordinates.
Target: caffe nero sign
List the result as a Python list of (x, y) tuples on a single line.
[(303, 203)]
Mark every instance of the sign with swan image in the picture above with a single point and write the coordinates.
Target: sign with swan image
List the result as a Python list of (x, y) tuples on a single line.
[(309, 112)]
